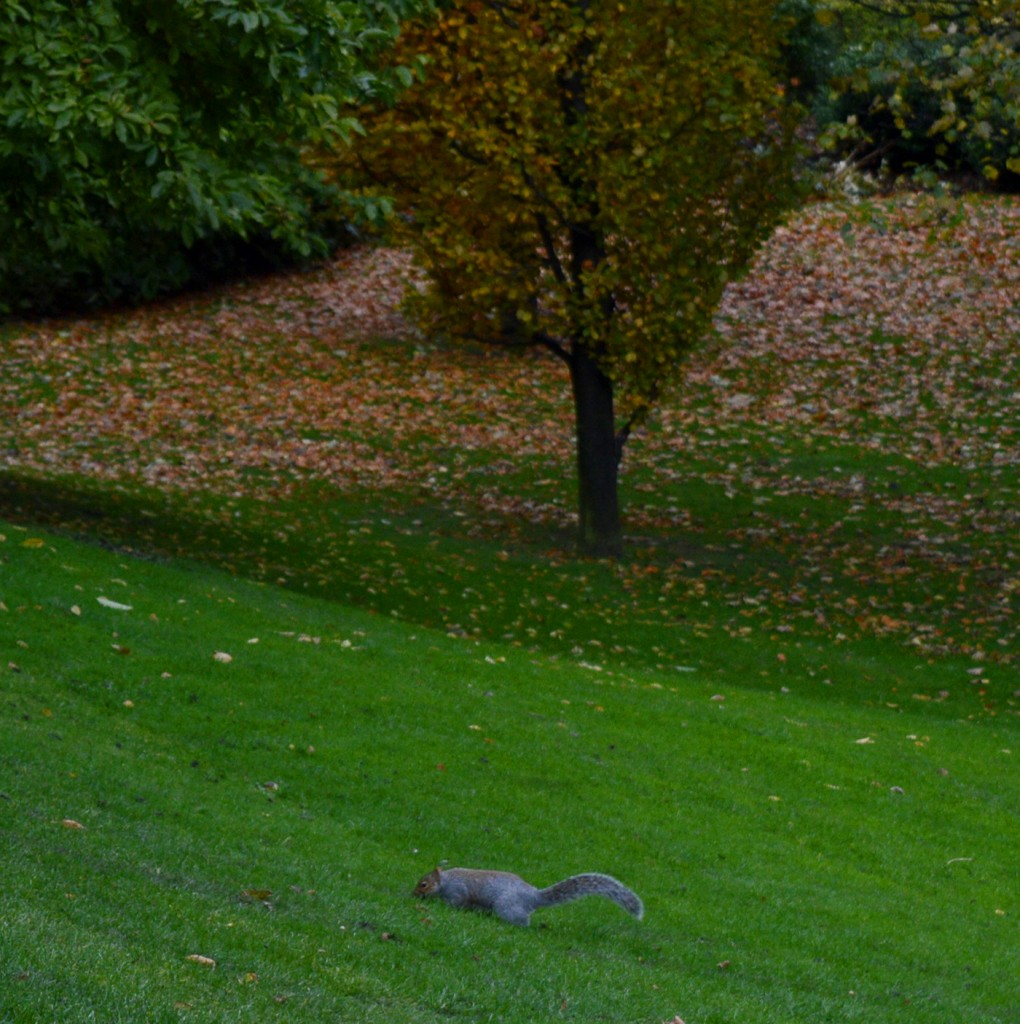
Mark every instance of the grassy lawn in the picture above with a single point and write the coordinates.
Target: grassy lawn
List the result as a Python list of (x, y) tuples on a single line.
[(348, 640), (802, 856)]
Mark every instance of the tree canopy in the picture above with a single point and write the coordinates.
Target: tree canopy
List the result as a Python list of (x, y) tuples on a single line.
[(133, 130), (575, 176)]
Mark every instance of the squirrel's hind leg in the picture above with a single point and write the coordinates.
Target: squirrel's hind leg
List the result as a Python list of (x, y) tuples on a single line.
[(512, 911)]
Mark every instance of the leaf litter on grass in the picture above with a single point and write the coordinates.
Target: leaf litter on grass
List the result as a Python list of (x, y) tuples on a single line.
[(842, 460)]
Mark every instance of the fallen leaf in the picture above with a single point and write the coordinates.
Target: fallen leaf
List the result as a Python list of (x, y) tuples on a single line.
[(116, 605), (223, 657), (197, 958), (256, 895), (71, 823)]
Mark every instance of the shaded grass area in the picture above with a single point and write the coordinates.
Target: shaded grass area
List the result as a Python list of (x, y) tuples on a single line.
[(771, 610), (802, 856), (841, 466)]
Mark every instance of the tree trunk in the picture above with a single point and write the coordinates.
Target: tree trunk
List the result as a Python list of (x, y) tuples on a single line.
[(600, 530)]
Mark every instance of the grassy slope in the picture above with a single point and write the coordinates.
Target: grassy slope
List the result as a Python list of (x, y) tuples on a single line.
[(835, 879), (823, 531)]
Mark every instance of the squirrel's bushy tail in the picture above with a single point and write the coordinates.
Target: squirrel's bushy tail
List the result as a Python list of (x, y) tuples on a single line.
[(591, 884)]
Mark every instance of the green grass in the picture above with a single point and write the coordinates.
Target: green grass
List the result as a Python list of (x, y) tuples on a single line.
[(791, 872), (788, 718)]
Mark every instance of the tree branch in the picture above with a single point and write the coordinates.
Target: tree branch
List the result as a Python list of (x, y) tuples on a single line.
[(531, 340), (552, 257), (553, 344), (949, 9)]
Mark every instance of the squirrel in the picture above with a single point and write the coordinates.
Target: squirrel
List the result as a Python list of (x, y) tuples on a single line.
[(508, 896)]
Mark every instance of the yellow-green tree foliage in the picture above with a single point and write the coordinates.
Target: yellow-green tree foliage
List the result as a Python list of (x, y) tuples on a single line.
[(586, 175)]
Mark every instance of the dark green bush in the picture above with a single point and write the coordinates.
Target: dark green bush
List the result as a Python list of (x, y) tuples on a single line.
[(893, 116), (139, 138), (809, 50), (924, 87)]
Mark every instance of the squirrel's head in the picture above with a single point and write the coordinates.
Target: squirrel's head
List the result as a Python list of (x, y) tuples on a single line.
[(428, 884)]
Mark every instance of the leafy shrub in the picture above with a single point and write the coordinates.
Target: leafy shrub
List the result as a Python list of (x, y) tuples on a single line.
[(892, 117), (809, 49), (139, 138), (922, 86)]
